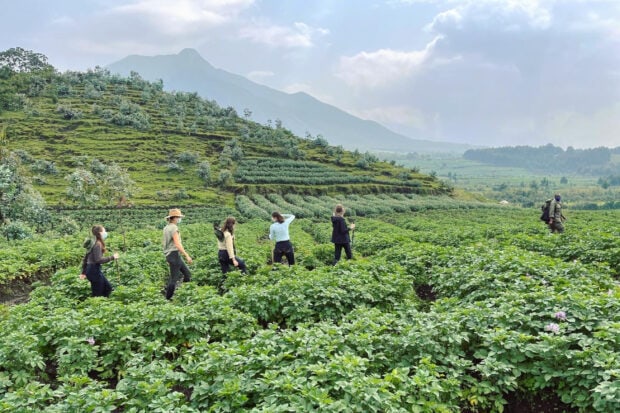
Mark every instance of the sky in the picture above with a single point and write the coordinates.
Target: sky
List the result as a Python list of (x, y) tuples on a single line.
[(483, 72)]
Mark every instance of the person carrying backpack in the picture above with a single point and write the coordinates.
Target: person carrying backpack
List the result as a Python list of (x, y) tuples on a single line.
[(91, 264), (226, 247), (278, 231), (340, 234), (555, 215), (173, 249)]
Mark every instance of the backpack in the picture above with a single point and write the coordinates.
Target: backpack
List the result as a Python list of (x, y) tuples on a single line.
[(545, 210), (218, 232)]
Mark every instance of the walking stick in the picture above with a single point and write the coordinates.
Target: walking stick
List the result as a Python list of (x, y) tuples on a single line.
[(118, 272)]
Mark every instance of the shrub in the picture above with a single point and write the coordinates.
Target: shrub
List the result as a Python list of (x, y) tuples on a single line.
[(16, 230)]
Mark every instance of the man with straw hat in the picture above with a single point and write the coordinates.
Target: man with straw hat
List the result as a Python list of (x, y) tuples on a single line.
[(173, 249)]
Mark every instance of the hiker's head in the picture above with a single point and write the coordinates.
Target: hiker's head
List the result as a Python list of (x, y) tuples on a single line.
[(229, 224), (277, 217), (339, 210), (100, 234), (557, 197), (174, 215)]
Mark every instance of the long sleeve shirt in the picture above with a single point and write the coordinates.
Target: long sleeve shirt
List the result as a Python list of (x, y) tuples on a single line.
[(340, 230), (279, 231), (227, 244), (555, 211), (95, 256)]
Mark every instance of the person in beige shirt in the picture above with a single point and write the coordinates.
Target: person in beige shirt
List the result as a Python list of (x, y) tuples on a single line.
[(226, 248), (173, 249)]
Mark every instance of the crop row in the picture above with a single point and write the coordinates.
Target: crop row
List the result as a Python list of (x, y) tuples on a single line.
[(500, 320), (305, 206)]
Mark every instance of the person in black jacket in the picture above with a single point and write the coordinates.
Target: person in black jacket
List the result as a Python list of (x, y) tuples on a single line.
[(340, 234), (91, 264)]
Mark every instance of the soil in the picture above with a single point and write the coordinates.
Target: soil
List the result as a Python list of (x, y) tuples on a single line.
[(544, 402), (425, 292), (16, 292)]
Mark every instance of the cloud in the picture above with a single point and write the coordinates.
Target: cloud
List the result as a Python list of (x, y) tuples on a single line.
[(299, 35), (177, 15), (145, 27), (569, 128), (382, 67), (500, 15), (499, 72)]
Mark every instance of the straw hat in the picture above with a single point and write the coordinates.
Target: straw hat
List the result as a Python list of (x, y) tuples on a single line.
[(174, 213)]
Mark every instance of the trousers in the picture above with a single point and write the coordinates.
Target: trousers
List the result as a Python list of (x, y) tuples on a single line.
[(178, 271)]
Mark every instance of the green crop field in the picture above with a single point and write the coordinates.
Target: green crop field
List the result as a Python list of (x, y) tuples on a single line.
[(516, 185), (446, 307)]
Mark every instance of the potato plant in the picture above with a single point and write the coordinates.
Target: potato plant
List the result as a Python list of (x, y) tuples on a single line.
[(508, 311)]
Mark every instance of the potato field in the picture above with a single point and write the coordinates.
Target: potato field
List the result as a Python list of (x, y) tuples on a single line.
[(445, 307)]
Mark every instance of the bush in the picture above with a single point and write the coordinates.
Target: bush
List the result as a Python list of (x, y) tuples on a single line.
[(16, 230)]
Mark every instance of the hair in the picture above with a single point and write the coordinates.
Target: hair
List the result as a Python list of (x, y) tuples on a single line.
[(339, 210), (229, 225), (97, 230), (278, 216)]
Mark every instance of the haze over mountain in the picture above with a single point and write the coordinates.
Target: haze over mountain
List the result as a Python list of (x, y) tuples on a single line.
[(299, 112)]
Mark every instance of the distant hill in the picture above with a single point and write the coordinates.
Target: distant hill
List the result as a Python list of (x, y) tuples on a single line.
[(177, 147), (550, 159), (299, 112)]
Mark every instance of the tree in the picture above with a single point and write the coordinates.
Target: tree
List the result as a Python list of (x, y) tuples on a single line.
[(204, 171), (100, 183), (226, 157), (21, 60), (225, 178), (19, 200)]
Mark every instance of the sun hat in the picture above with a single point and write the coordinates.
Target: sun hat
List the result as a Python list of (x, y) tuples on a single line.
[(174, 213)]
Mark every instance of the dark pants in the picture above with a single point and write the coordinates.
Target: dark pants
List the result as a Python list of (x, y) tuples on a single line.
[(284, 248), (99, 285), (177, 268), (226, 262), (338, 251), (556, 226)]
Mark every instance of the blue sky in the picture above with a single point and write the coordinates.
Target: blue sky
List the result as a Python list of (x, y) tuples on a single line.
[(488, 72)]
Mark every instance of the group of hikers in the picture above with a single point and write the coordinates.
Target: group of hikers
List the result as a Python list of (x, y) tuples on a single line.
[(278, 232), (174, 251)]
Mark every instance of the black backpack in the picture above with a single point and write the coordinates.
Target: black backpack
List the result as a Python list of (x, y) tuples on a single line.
[(545, 210), (218, 232)]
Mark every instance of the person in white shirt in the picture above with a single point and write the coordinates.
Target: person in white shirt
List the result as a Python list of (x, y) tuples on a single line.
[(278, 232)]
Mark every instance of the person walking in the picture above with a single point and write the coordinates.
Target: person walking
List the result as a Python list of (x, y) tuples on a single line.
[(340, 234), (555, 215), (91, 264), (173, 249), (278, 231), (226, 248)]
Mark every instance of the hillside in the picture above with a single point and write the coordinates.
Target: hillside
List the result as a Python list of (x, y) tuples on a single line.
[(299, 112), (177, 147)]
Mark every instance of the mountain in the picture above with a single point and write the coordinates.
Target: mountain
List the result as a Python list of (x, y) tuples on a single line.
[(299, 112)]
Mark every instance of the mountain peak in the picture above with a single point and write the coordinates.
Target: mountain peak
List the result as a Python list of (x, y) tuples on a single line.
[(189, 53)]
